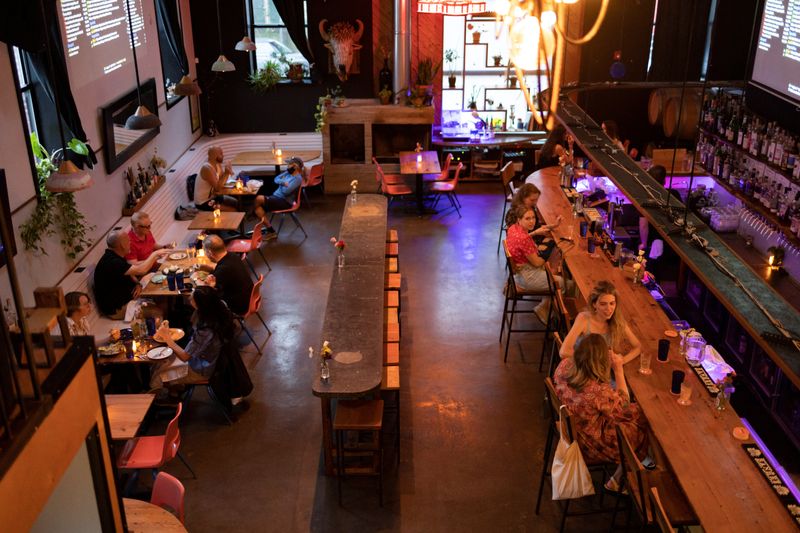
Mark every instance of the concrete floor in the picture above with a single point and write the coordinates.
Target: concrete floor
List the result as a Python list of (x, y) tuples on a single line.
[(472, 431)]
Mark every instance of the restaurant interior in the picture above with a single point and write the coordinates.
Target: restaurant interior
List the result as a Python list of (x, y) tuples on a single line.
[(400, 265)]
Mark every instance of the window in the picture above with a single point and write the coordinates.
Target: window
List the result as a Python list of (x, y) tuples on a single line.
[(25, 89), (271, 36), (171, 67)]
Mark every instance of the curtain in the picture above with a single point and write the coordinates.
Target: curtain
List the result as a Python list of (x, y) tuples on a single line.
[(680, 24), (292, 14), (167, 12)]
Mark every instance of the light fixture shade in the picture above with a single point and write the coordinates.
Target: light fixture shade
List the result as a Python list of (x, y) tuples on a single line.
[(187, 87), (143, 119), (246, 45), (222, 65), (68, 178)]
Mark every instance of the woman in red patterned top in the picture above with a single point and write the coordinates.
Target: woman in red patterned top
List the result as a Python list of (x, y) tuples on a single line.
[(583, 384), (528, 266)]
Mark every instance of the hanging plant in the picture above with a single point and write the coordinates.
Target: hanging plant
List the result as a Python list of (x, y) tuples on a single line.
[(56, 211)]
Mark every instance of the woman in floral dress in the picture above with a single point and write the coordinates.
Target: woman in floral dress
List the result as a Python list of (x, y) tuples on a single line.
[(583, 384)]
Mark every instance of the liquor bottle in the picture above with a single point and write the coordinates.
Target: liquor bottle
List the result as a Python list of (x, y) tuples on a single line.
[(742, 131), (733, 128), (746, 138)]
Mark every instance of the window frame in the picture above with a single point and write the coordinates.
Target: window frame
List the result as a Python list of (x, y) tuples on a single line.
[(175, 100), (20, 64), (252, 26)]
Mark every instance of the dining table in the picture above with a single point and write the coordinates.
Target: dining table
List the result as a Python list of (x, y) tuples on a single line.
[(353, 321), (272, 158), (226, 221), (126, 412), (145, 517), (418, 164), (724, 487), (182, 259)]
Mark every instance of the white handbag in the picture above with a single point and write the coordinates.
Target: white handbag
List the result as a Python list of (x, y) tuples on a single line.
[(571, 477)]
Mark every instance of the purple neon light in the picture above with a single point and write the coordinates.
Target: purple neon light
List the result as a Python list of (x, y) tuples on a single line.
[(778, 468)]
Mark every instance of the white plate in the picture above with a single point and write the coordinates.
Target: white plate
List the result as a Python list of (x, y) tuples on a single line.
[(178, 256), (159, 353)]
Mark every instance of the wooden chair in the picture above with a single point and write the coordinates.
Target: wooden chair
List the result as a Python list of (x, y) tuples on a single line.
[(507, 179), (514, 296), (638, 481), (448, 188), (361, 416), (660, 514), (561, 422), (253, 309), (292, 212), (245, 246)]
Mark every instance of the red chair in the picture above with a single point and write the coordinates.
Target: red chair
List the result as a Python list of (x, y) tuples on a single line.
[(448, 188), (153, 452), (292, 212), (444, 174), (253, 309), (168, 493), (315, 176), (392, 191), (245, 246), (390, 179)]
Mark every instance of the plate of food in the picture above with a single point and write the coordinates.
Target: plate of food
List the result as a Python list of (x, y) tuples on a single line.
[(177, 256), (158, 278), (175, 333), (161, 352), (110, 350), (199, 275)]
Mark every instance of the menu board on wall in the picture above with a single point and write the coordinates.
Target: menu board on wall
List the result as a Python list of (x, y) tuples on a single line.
[(777, 59)]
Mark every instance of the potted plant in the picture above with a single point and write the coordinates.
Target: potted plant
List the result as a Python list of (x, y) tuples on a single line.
[(267, 77), (476, 34), (473, 98), (426, 71), (451, 56), (55, 210), (417, 96), (497, 59), (337, 94), (322, 111), (512, 81), (385, 95)]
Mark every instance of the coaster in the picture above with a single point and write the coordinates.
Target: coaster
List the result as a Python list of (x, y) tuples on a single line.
[(740, 433), (671, 333), (348, 358)]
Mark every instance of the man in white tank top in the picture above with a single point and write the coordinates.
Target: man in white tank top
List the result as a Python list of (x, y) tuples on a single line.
[(210, 182)]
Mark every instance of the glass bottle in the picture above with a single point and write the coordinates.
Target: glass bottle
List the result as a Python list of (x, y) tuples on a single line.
[(324, 371)]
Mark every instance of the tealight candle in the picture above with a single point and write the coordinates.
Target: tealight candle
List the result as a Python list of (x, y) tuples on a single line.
[(201, 253), (771, 260), (239, 185), (216, 213), (279, 152), (419, 158), (134, 347)]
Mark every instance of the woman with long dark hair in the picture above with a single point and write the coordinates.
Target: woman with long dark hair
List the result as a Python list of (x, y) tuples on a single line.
[(214, 327), (558, 144)]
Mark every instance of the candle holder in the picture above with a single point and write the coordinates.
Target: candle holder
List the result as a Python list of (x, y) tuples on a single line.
[(278, 152), (239, 184), (216, 213)]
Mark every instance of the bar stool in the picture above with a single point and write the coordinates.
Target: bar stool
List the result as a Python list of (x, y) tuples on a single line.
[(390, 385), (391, 235), (391, 265), (506, 176), (391, 353), (391, 316), (391, 298), (362, 416), (392, 249), (392, 281)]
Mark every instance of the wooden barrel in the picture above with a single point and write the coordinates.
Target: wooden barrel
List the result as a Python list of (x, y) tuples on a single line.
[(689, 117), (656, 103)]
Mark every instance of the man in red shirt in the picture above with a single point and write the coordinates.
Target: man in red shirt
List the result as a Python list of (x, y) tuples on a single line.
[(142, 242)]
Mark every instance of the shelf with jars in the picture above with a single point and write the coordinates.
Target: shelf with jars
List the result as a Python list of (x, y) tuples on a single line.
[(143, 185)]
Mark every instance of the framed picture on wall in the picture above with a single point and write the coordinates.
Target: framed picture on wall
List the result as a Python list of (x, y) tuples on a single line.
[(6, 246), (194, 111)]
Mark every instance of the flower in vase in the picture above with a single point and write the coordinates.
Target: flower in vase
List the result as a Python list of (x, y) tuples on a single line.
[(354, 184), (339, 244), (326, 351)]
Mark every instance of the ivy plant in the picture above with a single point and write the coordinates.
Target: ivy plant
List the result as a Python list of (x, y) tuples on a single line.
[(56, 211)]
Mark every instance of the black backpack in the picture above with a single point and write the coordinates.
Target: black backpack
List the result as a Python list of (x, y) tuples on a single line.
[(190, 186)]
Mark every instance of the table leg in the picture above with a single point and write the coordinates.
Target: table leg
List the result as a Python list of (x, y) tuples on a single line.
[(420, 194), (327, 435)]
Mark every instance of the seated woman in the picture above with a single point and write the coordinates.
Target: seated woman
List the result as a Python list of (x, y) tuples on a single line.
[(281, 198), (528, 195), (213, 328), (79, 307), (558, 144), (529, 271), (603, 319), (583, 384)]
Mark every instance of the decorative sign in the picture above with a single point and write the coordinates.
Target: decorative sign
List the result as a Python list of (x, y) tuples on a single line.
[(787, 499)]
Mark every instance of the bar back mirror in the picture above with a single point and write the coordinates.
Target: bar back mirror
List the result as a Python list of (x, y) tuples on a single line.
[(121, 143)]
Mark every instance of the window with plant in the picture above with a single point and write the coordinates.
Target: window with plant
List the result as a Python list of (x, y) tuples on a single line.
[(273, 41)]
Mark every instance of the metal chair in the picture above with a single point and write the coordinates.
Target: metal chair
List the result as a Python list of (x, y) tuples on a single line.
[(382, 177), (315, 177), (292, 212), (245, 246), (253, 309), (444, 174), (448, 188), (506, 176), (168, 493)]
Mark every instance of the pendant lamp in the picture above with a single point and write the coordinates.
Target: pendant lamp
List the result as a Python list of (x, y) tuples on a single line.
[(187, 87), (222, 64), (246, 45), (142, 119), (68, 177)]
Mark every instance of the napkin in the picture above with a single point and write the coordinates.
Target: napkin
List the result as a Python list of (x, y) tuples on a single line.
[(176, 370), (254, 185), (146, 279), (715, 365), (130, 311)]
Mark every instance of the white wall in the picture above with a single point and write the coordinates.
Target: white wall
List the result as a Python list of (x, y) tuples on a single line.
[(102, 203)]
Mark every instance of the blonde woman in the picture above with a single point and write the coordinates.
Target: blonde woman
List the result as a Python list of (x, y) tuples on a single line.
[(603, 319), (582, 383)]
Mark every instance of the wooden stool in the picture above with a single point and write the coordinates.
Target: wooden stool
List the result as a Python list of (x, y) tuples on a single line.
[(392, 249), (391, 235), (391, 353), (391, 298), (366, 416), (392, 317), (391, 333), (391, 265), (390, 384), (392, 281)]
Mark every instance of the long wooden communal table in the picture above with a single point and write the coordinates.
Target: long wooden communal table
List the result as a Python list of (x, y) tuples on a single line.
[(725, 489), (353, 322)]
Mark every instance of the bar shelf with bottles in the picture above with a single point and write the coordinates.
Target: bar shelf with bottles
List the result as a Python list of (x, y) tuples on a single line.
[(754, 160)]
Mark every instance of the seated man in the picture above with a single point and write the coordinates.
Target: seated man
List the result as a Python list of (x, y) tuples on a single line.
[(283, 197), (210, 182), (142, 241), (115, 281), (229, 276)]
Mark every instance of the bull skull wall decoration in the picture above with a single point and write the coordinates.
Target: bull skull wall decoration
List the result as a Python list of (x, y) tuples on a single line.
[(342, 39)]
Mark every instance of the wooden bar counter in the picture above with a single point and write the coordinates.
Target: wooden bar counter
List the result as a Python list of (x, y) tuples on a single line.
[(726, 490), (353, 320)]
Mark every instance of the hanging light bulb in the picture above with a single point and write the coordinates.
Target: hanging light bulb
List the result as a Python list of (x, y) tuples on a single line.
[(142, 119), (222, 64), (68, 178), (246, 45), (187, 87), (524, 37), (548, 18)]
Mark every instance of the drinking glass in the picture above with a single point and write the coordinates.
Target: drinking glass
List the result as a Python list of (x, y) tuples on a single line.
[(677, 380), (695, 346), (173, 245), (686, 395), (584, 226), (644, 363), (663, 350)]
